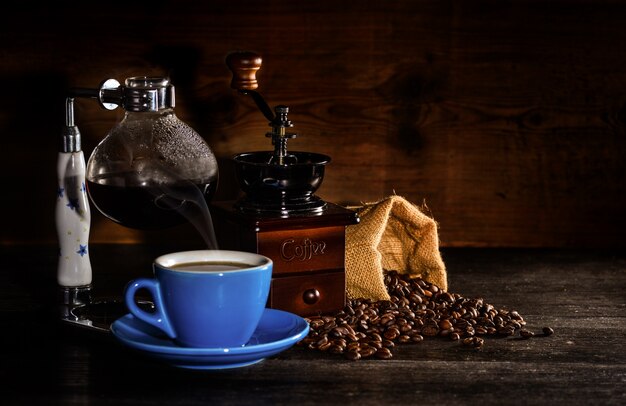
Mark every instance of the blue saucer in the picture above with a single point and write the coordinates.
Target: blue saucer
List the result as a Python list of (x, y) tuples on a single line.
[(277, 331)]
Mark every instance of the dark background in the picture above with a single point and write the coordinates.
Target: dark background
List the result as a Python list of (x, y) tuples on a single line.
[(506, 118)]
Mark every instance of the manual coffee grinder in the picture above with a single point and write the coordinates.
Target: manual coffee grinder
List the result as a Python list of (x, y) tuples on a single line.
[(280, 216)]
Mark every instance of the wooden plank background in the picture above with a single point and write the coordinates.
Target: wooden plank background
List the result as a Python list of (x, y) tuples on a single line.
[(505, 118)]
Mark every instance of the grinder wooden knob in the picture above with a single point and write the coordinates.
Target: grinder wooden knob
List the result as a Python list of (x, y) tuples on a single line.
[(244, 65), (311, 296)]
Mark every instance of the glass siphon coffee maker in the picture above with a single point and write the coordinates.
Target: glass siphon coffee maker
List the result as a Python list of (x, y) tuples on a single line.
[(151, 171), (152, 168)]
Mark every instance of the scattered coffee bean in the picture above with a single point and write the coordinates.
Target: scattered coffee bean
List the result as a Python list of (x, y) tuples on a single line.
[(473, 341), (526, 333), (547, 331), (367, 328)]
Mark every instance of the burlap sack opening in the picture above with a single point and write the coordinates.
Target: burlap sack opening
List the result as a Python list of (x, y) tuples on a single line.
[(393, 234)]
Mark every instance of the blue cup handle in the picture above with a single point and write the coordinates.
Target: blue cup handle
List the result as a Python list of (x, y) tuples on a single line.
[(157, 319)]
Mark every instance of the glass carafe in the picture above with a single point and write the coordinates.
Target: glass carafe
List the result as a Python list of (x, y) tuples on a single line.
[(151, 170)]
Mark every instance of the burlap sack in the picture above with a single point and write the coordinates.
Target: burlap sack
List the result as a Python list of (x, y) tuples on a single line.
[(393, 234)]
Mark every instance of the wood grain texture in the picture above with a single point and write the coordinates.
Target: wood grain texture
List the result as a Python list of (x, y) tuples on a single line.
[(579, 293), (506, 118)]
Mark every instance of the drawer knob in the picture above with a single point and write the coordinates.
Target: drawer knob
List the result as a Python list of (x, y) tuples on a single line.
[(311, 296)]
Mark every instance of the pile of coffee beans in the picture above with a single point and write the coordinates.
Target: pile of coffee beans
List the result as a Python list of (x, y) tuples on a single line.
[(417, 309)]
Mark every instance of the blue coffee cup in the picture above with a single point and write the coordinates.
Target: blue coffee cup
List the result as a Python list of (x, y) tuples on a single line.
[(205, 298)]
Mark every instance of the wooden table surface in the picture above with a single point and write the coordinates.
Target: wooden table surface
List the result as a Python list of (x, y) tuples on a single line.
[(580, 294)]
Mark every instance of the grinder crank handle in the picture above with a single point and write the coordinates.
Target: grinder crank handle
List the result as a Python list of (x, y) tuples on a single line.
[(244, 66)]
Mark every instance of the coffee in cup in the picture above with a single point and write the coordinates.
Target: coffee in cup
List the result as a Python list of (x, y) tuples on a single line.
[(205, 298)]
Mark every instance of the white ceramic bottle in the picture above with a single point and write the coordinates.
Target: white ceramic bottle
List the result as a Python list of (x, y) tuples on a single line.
[(73, 215)]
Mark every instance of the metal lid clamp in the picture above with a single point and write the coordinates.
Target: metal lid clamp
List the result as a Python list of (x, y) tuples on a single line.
[(138, 94)]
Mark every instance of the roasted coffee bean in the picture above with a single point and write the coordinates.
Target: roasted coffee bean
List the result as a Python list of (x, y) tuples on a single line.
[(353, 355), (445, 324), (367, 351), (416, 309), (505, 331), (362, 325), (386, 319), (406, 328), (392, 333), (404, 339), (447, 297), (474, 342), (339, 341), (324, 347), (384, 353), (415, 298), (316, 323), (547, 331), (336, 349), (526, 334), (445, 333), (352, 346), (388, 343), (349, 310), (430, 329), (322, 341)]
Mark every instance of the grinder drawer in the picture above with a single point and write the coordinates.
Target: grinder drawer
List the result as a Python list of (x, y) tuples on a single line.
[(309, 295)]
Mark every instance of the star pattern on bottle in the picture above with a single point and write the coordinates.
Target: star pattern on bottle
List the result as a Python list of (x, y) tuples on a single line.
[(72, 204), (60, 192), (83, 188), (82, 251)]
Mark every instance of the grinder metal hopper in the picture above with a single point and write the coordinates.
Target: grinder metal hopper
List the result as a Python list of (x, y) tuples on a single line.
[(278, 181)]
